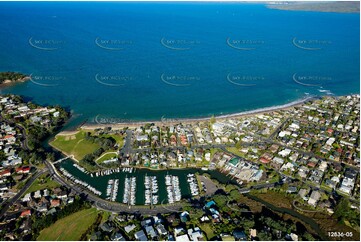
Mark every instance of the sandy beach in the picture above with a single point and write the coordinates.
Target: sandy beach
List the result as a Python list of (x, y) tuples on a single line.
[(195, 120)]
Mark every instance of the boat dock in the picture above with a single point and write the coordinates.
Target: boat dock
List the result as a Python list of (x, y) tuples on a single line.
[(173, 189), (77, 181), (193, 185), (112, 171), (129, 191), (151, 190)]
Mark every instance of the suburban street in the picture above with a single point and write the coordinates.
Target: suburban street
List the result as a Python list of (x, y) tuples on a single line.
[(11, 201)]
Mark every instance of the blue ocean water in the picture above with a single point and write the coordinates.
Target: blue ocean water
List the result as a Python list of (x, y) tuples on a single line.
[(144, 61)]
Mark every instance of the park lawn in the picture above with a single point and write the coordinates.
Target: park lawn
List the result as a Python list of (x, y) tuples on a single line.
[(117, 137), (74, 145), (41, 183), (106, 157), (207, 229), (70, 227)]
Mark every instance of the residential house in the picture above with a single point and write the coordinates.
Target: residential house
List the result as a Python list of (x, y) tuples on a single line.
[(140, 235), (314, 198)]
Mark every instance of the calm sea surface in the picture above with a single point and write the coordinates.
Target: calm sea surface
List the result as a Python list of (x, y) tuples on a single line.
[(124, 61)]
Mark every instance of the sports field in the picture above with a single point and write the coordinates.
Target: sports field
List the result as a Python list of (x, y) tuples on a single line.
[(70, 227)]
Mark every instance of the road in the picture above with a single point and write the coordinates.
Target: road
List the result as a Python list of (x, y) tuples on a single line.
[(167, 148), (11, 201), (127, 148)]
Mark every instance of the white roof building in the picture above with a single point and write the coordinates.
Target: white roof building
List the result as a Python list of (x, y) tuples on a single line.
[(315, 196), (26, 198), (182, 238), (330, 141), (284, 152), (37, 194)]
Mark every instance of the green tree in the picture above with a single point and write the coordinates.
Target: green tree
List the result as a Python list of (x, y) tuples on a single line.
[(50, 156), (220, 200), (248, 224), (2, 155), (235, 195), (264, 236), (307, 236), (342, 209)]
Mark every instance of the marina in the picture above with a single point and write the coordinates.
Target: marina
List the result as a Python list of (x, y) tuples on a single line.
[(80, 168), (82, 183), (112, 189), (129, 191), (142, 186), (191, 179), (151, 190), (108, 172), (173, 189)]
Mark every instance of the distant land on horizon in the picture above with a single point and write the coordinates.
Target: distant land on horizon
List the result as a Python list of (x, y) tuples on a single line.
[(319, 6)]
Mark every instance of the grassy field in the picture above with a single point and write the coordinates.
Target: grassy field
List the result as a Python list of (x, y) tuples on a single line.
[(207, 229), (117, 137), (70, 227), (41, 183), (74, 145), (106, 157)]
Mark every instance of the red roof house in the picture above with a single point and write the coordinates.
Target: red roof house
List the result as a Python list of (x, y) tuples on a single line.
[(23, 170), (25, 213), (264, 160), (311, 164), (4, 173), (55, 203)]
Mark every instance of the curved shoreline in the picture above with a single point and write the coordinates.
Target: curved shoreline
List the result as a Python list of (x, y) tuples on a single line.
[(8, 83), (192, 120)]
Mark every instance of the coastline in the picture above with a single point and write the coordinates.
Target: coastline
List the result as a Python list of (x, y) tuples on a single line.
[(91, 126), (8, 83)]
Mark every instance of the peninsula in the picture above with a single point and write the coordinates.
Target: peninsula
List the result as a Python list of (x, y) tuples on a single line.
[(12, 77)]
